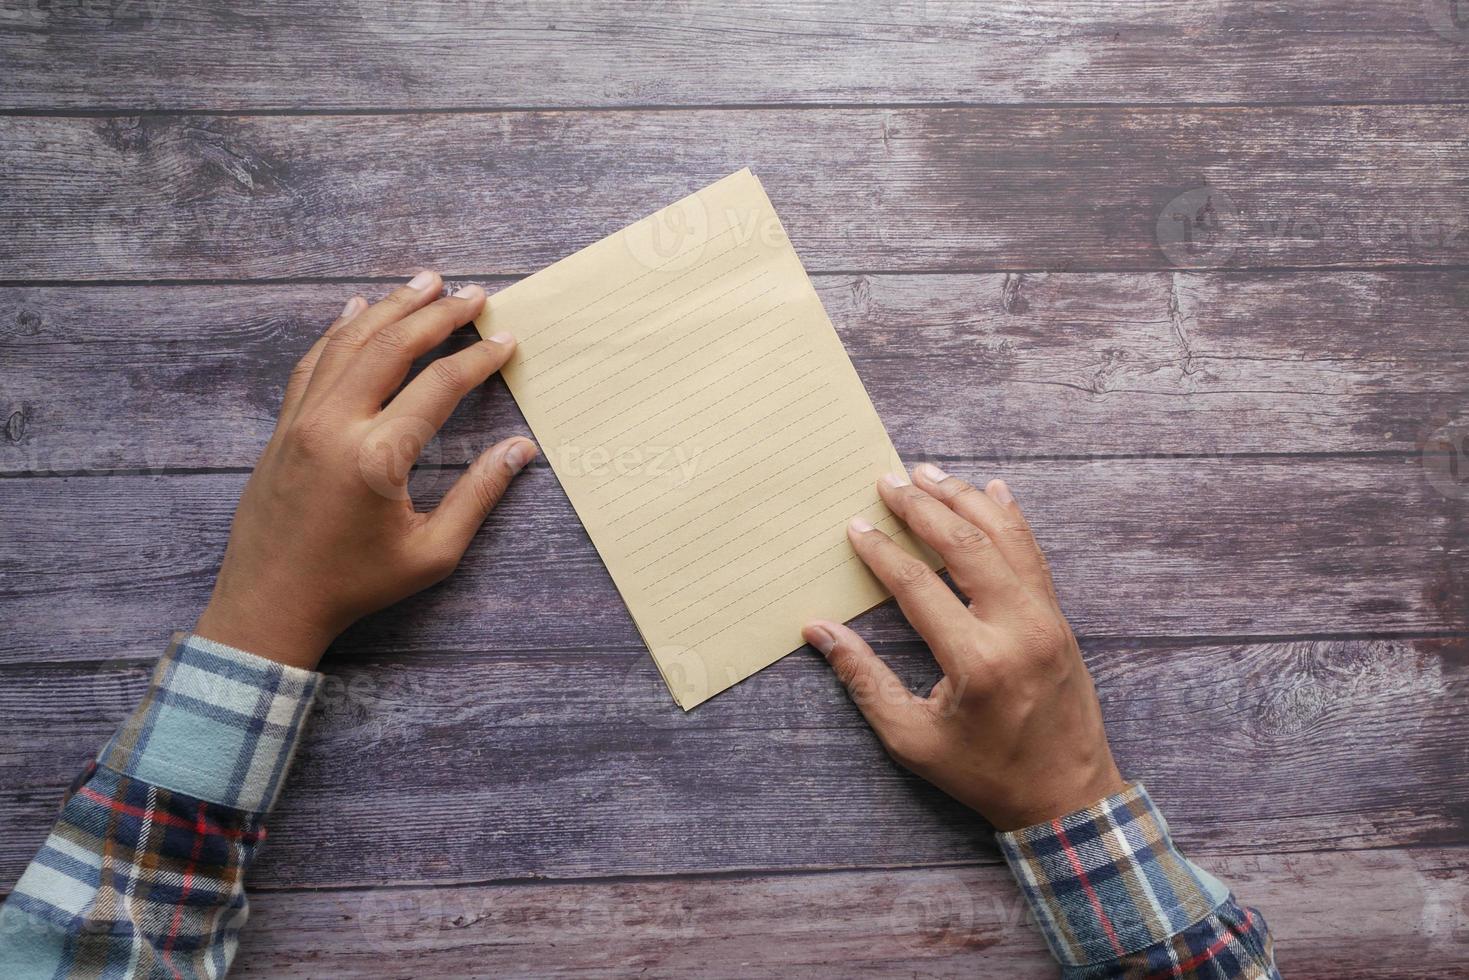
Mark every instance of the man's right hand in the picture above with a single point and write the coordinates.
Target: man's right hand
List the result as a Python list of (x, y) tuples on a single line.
[(1013, 729)]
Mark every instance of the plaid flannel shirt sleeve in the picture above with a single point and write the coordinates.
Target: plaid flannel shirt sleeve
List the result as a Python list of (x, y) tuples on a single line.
[(1115, 898), (143, 873)]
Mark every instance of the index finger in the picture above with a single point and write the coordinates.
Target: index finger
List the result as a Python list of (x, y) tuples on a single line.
[(998, 516), (348, 341), (931, 606), (384, 361), (978, 568), (438, 389)]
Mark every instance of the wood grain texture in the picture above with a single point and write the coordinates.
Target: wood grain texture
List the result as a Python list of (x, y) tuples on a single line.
[(928, 157), (554, 763), (999, 366), (510, 53), (179, 197), (1191, 547), (948, 922)]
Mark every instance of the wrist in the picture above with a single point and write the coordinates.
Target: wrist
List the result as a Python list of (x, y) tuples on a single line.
[(1057, 800), (265, 630)]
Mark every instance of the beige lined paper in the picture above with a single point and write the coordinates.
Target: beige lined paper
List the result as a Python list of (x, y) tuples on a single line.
[(702, 415)]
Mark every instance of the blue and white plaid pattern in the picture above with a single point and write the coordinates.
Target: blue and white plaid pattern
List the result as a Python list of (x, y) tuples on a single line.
[(1114, 897), (143, 874), (217, 723)]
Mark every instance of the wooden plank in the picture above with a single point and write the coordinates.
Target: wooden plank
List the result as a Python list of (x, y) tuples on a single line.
[(1000, 366), (477, 53), (1406, 906), (179, 197), (552, 763), (1189, 547)]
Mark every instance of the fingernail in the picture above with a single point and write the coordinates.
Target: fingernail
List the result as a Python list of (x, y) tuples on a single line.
[(894, 480), (502, 338), (820, 637), (468, 292), (931, 473), (1001, 492), (421, 281), (518, 455), (860, 526), (351, 308)]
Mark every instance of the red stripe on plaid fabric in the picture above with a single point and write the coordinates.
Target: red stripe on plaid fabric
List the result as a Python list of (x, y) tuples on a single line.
[(1200, 959), (248, 836), (1076, 866), (178, 910)]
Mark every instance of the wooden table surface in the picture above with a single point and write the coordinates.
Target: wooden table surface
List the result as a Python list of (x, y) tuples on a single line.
[(1190, 275)]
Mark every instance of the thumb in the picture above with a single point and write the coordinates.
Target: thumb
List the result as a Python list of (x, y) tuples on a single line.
[(878, 693), (472, 497)]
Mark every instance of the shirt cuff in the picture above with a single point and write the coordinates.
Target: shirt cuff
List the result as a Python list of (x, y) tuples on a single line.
[(216, 723), (1107, 881)]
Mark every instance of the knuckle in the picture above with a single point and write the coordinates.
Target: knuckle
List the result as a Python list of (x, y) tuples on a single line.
[(911, 575), (400, 301), (313, 435), (1044, 636), (486, 495), (969, 540), (308, 360), (489, 486), (1013, 529), (957, 489), (392, 341), (447, 376), (908, 494), (300, 374), (978, 678), (351, 338), (847, 672)]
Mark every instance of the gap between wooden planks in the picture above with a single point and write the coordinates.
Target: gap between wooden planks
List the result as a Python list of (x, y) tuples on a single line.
[(959, 922), (1283, 746), (569, 53)]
